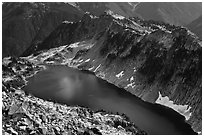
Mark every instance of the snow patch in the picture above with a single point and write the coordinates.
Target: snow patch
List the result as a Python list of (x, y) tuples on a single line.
[(182, 109), (90, 15), (87, 60), (134, 69), (67, 62), (163, 28), (116, 16), (67, 22), (97, 68), (74, 4), (80, 61), (74, 45), (93, 17), (91, 68), (130, 85), (50, 62), (119, 75), (131, 79), (83, 44)]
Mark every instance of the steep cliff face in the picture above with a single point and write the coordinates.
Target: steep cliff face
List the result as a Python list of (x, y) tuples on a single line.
[(26, 24), (147, 58)]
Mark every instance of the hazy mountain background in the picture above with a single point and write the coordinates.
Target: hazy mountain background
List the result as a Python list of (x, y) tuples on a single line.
[(196, 26), (177, 13)]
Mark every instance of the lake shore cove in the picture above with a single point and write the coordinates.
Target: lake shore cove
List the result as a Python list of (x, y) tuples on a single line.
[(24, 114)]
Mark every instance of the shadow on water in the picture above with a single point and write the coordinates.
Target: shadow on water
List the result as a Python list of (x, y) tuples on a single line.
[(74, 87)]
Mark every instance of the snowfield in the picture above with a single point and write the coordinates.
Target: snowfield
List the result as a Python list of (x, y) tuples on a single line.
[(182, 109)]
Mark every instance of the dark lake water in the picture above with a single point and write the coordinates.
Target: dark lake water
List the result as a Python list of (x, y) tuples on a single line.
[(74, 87)]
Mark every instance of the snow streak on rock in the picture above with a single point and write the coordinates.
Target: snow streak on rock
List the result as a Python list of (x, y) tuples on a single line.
[(119, 75), (131, 85), (97, 68), (87, 60)]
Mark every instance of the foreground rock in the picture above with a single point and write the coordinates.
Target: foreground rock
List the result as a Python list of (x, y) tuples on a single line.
[(24, 114)]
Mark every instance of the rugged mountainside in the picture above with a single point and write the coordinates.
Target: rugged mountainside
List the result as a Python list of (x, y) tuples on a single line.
[(24, 114), (26, 24), (149, 59), (196, 27)]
